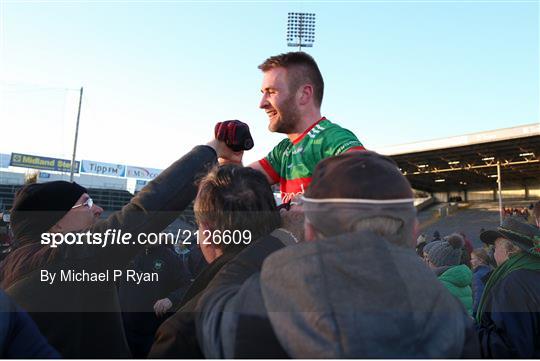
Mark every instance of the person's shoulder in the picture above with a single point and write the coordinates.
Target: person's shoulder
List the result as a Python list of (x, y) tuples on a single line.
[(521, 277), (285, 142), (281, 146), (330, 127), (451, 274), (257, 251), (293, 256), (482, 270), (518, 282), (336, 137)]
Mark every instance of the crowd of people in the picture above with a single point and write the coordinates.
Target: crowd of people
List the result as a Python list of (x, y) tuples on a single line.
[(522, 212), (332, 275)]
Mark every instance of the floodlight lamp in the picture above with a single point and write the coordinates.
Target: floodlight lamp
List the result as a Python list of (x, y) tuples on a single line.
[(301, 27)]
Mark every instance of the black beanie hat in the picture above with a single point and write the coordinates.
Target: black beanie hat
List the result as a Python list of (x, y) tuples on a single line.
[(39, 206)]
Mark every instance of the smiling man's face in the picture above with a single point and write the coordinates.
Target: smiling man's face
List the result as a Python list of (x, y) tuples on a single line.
[(279, 102)]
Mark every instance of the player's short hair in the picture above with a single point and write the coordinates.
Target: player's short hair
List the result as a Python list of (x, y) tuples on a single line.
[(301, 69)]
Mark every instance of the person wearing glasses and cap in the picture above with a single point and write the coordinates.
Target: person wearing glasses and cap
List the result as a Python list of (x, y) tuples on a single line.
[(508, 316), (82, 319)]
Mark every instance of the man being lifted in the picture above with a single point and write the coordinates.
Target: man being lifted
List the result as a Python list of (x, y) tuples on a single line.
[(292, 91)]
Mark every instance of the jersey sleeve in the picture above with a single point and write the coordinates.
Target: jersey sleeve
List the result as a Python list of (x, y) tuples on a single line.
[(272, 162), (340, 140)]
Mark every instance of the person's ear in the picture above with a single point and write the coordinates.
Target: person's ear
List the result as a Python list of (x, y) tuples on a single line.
[(208, 249), (305, 94)]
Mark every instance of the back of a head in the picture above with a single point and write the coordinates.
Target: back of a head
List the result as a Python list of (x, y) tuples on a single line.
[(447, 252), (301, 69), (236, 198), (456, 240), (359, 175), (372, 280), (482, 255), (361, 190)]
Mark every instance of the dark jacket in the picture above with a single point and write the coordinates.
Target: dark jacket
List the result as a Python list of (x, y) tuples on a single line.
[(19, 335), (510, 325), (351, 296), (82, 319), (137, 300), (177, 338), (480, 276), (194, 261)]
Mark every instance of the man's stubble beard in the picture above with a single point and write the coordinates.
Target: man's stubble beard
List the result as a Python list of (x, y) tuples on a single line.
[(289, 118)]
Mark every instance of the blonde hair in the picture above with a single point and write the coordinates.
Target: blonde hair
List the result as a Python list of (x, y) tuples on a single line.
[(510, 248), (481, 254)]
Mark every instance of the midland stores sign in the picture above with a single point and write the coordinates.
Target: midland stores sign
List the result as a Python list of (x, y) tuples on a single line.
[(43, 163), (87, 166)]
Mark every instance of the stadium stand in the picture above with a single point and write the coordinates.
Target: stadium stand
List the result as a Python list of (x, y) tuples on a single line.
[(110, 199), (7, 193), (468, 218), (466, 166)]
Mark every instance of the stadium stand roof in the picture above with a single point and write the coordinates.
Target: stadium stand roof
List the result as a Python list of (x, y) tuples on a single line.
[(470, 161)]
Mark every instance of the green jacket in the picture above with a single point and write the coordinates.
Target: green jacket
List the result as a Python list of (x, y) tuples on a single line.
[(458, 279)]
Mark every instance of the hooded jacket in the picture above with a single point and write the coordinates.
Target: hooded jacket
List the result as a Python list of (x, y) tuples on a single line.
[(82, 319), (457, 280), (350, 296)]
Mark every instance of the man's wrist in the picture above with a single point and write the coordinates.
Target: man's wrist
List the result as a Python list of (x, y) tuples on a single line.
[(212, 149), (214, 145)]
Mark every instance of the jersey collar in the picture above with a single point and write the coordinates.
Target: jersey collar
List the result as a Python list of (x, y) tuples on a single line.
[(301, 136)]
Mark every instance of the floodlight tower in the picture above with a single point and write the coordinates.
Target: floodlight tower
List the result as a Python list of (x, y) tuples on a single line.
[(301, 30)]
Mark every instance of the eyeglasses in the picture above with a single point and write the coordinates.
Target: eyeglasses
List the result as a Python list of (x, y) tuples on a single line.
[(89, 202)]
